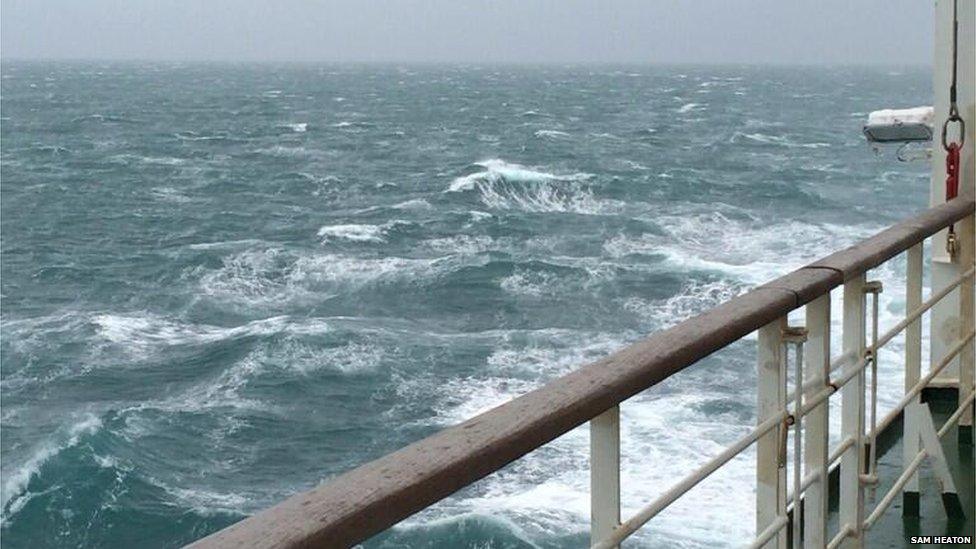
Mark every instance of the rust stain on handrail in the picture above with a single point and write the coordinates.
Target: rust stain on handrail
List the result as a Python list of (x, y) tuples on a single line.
[(363, 502)]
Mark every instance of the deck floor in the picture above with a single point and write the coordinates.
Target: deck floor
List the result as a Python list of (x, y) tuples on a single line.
[(894, 530)]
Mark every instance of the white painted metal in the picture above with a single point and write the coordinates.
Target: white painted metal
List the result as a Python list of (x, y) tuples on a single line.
[(841, 537), (766, 536), (910, 470), (928, 304), (935, 371), (798, 440), (933, 447), (604, 474), (957, 414), (945, 325), (808, 401), (913, 360), (874, 288), (851, 509), (770, 476), (817, 373), (967, 311)]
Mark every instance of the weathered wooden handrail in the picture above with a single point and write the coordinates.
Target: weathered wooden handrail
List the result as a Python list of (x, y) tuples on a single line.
[(363, 502)]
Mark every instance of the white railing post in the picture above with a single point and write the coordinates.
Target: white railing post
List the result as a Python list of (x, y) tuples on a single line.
[(604, 474), (913, 372), (851, 510), (771, 447), (874, 288), (967, 311), (817, 351)]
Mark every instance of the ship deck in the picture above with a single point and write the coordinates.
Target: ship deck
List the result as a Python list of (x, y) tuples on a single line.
[(894, 529)]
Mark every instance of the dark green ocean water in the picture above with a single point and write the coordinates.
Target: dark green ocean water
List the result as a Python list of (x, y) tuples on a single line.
[(222, 284)]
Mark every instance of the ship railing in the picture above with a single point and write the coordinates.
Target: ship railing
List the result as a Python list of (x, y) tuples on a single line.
[(363, 502)]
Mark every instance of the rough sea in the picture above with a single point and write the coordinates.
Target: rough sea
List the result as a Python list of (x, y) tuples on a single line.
[(225, 283)]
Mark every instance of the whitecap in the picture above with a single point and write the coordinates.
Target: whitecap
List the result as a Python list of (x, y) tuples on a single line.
[(352, 232), (299, 127), (414, 204), (552, 134), (531, 284), (140, 333), (774, 140), (688, 107), (15, 484), (504, 185)]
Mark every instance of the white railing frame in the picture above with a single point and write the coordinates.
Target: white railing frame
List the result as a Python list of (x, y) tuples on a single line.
[(779, 412)]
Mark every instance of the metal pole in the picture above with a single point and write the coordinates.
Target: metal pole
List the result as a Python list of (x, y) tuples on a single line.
[(817, 352), (967, 311), (604, 474), (797, 336), (913, 372), (852, 415), (770, 476), (874, 288)]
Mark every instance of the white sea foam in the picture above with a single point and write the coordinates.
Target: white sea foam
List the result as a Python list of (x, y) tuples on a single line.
[(548, 490), (462, 244), (498, 170), (506, 186), (774, 140), (170, 194), (143, 332), (531, 284), (207, 502), (274, 277), (225, 244), (688, 107), (749, 250), (353, 232), (284, 151), (14, 495), (300, 127), (414, 204), (552, 134), (693, 298)]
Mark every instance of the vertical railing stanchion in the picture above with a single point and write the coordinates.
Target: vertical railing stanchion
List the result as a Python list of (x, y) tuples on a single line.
[(770, 470), (913, 372), (967, 310), (817, 351), (852, 416), (604, 474), (797, 336), (874, 288)]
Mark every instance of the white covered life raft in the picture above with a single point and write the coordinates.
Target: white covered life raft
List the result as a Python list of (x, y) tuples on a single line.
[(900, 125)]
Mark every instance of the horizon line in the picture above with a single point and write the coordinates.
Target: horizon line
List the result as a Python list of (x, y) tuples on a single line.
[(252, 61)]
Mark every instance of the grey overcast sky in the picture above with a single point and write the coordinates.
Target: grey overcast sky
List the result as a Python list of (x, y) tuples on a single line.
[(528, 31)]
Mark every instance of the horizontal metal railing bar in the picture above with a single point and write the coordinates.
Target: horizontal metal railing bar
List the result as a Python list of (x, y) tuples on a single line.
[(928, 304), (889, 496), (631, 525), (957, 414), (770, 531), (835, 542), (923, 383), (884, 424), (835, 365), (847, 376), (365, 501)]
